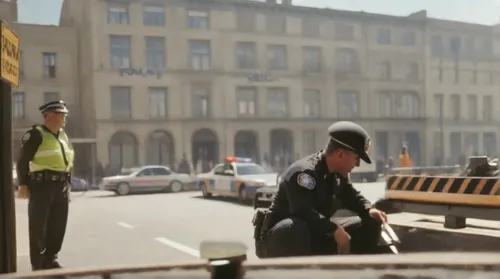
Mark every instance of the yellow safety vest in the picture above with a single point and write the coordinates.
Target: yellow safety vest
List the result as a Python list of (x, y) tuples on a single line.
[(50, 156)]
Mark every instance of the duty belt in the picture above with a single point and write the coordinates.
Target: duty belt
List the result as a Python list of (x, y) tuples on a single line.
[(50, 176)]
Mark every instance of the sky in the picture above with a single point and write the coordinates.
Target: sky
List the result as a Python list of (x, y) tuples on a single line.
[(478, 11)]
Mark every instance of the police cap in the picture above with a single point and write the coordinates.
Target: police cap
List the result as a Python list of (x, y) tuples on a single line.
[(352, 137), (54, 106)]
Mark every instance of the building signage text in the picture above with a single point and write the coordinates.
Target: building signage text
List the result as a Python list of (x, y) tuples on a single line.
[(140, 72), (9, 56), (261, 77)]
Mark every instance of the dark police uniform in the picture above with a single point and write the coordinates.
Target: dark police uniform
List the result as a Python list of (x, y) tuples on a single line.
[(45, 166), (300, 217)]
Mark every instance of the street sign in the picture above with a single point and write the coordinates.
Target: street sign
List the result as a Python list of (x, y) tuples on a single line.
[(9, 56)]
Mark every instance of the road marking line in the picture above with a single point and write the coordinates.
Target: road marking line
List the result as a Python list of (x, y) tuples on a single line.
[(178, 246), (125, 225)]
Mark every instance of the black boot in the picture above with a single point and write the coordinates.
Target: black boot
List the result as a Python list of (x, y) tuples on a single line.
[(51, 262)]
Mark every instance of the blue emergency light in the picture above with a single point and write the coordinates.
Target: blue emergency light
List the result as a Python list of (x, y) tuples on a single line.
[(238, 160)]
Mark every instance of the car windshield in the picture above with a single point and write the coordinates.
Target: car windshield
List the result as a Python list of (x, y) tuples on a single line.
[(250, 170)]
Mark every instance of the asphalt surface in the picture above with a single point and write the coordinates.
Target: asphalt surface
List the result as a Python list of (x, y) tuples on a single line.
[(107, 230)]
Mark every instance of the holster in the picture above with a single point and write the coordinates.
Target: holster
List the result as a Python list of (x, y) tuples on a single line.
[(262, 223)]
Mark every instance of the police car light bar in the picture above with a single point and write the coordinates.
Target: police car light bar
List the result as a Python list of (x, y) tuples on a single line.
[(238, 160)]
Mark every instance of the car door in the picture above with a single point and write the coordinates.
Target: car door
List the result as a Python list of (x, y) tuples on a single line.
[(144, 180), (162, 178), (224, 180)]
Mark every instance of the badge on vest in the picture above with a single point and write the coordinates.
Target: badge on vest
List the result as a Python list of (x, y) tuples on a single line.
[(306, 181)]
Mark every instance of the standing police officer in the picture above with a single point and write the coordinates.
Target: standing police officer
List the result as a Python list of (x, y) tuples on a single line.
[(312, 189), (44, 176)]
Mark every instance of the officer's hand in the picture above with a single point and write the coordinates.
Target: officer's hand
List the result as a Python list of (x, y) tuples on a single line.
[(378, 215), (343, 240), (23, 192)]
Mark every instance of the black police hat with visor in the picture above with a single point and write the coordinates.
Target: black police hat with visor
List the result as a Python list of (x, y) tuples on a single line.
[(352, 137), (54, 106)]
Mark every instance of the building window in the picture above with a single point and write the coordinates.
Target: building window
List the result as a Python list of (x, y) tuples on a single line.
[(50, 97), (343, 31), (49, 64), (472, 106), (121, 107), (312, 103), (399, 104), (246, 99), (276, 57), (312, 59), (198, 19), (276, 24), (120, 51), (157, 102), (384, 70), (310, 27), (436, 45), (409, 38), (153, 15), (309, 142), (245, 21), (347, 104), (200, 54), (455, 106), (200, 101), (439, 105), (487, 108), (347, 59), (246, 55), (277, 102), (384, 36), (18, 104), (155, 52), (118, 14), (412, 71)]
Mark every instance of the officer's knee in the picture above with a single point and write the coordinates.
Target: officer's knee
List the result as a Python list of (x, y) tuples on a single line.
[(289, 237)]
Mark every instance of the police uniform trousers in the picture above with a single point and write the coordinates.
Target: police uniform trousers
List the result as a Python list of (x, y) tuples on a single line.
[(293, 237), (48, 215)]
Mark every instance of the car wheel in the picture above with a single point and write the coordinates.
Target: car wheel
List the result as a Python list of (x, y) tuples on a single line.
[(123, 189), (176, 186)]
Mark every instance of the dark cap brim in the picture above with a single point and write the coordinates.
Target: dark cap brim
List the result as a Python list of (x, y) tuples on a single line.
[(365, 157)]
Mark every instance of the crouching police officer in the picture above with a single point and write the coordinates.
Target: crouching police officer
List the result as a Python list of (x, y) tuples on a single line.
[(44, 176), (299, 221)]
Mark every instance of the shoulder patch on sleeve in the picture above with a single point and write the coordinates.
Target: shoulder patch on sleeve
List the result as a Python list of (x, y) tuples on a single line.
[(307, 181), (26, 137)]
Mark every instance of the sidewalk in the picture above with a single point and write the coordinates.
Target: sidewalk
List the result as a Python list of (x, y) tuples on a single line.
[(22, 239)]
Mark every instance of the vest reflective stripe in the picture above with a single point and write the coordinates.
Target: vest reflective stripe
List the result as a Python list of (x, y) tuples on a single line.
[(49, 155)]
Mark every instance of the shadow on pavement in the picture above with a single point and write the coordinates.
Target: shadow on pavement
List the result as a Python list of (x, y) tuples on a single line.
[(224, 199)]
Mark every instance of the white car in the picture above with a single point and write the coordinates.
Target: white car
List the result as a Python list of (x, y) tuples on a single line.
[(236, 177), (147, 179)]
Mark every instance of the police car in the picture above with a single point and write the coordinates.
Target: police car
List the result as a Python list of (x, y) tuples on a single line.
[(147, 179), (236, 177), (265, 196)]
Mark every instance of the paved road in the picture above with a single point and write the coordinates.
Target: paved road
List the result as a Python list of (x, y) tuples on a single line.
[(106, 230)]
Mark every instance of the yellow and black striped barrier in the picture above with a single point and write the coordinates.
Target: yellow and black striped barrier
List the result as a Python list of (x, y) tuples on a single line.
[(475, 191)]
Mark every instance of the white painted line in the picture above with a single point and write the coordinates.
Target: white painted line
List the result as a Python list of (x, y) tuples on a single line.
[(178, 246), (125, 225)]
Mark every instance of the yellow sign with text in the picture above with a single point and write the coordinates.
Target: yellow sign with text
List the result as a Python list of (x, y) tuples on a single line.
[(9, 56)]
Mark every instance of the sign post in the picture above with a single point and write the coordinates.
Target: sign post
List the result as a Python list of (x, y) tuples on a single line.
[(9, 76)]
